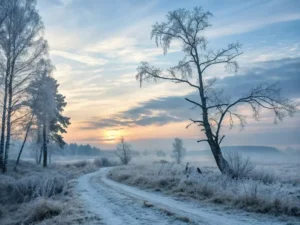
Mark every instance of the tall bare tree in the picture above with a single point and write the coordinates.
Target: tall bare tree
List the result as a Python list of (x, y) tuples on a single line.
[(22, 46), (187, 27), (124, 152)]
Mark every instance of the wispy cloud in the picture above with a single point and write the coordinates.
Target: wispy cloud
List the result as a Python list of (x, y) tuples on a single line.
[(88, 60), (251, 24)]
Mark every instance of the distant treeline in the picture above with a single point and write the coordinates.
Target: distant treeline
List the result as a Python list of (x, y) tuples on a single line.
[(249, 150), (74, 149)]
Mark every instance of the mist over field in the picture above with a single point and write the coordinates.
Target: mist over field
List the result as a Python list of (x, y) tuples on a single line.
[(149, 112)]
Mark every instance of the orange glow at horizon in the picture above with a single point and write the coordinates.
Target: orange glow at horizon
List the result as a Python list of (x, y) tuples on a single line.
[(112, 136)]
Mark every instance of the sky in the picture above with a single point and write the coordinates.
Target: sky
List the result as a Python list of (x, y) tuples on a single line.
[(96, 46)]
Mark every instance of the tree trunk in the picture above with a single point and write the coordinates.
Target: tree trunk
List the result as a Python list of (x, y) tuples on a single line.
[(37, 155), (214, 145), (50, 154), (8, 121), (39, 147), (44, 145), (222, 163), (24, 141), (40, 155), (3, 124)]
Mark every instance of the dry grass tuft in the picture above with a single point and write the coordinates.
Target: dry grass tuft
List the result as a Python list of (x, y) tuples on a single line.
[(42, 209)]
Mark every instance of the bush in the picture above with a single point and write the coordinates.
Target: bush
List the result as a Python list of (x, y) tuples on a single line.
[(80, 164), (263, 176), (103, 162), (240, 167), (42, 209), (27, 188)]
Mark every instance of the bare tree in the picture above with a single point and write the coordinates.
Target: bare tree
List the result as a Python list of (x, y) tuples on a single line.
[(178, 150), (124, 151), (28, 126), (187, 27)]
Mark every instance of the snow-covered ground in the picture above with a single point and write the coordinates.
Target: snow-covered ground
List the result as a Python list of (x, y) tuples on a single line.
[(117, 204)]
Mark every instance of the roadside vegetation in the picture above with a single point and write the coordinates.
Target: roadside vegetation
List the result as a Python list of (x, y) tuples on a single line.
[(251, 189), (36, 195)]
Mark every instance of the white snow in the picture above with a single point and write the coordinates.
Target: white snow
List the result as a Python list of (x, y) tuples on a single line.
[(117, 203)]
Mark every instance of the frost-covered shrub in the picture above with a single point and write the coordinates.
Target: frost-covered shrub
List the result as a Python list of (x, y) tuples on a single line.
[(27, 188), (80, 164), (264, 176), (240, 167), (103, 162), (42, 209)]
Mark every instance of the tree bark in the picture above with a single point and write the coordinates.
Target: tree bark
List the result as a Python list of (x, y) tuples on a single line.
[(3, 124), (24, 141), (50, 155), (222, 163), (40, 155), (44, 145), (8, 121), (39, 148)]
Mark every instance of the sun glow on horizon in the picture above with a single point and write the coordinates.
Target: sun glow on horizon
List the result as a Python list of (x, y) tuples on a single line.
[(112, 136)]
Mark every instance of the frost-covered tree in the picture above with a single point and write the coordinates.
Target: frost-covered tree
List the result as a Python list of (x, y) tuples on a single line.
[(60, 122), (178, 150), (21, 47), (47, 106), (42, 91), (187, 27), (44, 106), (124, 152)]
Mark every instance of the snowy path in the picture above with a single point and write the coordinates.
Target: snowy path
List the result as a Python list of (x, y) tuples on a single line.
[(120, 204)]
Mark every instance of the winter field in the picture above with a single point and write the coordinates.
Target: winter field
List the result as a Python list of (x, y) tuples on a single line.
[(160, 192)]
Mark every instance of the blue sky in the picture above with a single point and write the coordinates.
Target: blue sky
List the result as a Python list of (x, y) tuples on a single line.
[(97, 45)]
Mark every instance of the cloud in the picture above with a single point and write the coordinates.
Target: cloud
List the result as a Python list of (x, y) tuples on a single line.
[(245, 26), (111, 44), (66, 39), (88, 60), (125, 49), (164, 110)]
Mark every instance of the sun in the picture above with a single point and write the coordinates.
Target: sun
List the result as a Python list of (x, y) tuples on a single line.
[(112, 136)]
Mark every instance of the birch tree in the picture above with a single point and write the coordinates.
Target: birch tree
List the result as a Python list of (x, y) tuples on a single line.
[(22, 46), (187, 27)]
